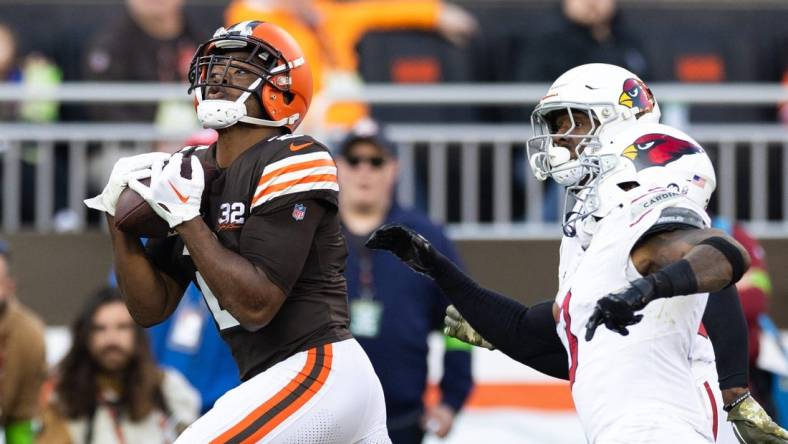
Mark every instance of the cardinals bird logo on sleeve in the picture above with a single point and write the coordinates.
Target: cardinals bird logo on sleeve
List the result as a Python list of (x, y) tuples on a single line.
[(658, 150)]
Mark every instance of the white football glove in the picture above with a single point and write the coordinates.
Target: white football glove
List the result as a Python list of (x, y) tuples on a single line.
[(173, 197), (137, 167)]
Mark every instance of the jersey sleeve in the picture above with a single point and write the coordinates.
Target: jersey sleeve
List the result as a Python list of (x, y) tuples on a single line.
[(676, 218), (161, 252), (662, 210), (279, 242), (302, 169)]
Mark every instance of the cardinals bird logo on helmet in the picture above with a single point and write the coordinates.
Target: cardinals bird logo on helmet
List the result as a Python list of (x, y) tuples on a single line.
[(631, 162), (610, 96), (658, 150), (636, 95)]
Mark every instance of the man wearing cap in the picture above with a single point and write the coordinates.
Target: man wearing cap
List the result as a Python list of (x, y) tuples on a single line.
[(22, 360), (393, 310)]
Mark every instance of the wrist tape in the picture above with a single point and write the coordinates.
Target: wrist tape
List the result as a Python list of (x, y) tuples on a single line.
[(735, 402), (674, 280)]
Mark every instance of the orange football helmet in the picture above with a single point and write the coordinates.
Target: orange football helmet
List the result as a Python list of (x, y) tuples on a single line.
[(284, 79)]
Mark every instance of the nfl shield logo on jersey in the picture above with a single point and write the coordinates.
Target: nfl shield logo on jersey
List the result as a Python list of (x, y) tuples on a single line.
[(299, 210)]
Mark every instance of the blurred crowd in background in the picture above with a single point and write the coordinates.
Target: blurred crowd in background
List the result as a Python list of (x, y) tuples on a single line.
[(391, 41), (399, 41)]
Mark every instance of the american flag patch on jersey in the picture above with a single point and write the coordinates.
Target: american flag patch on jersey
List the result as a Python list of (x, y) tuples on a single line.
[(698, 181), (299, 211)]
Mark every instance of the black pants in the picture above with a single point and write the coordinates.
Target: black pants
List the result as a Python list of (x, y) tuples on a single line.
[(411, 434)]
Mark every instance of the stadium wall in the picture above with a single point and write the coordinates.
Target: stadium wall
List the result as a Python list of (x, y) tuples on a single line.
[(55, 272)]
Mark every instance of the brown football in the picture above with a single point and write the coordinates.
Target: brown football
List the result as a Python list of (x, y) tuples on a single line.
[(134, 216)]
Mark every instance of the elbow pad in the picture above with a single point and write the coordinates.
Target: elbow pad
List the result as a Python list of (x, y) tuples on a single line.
[(731, 252)]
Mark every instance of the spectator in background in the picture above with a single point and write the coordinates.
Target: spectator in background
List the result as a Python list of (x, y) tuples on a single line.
[(22, 360), (30, 72), (33, 71), (151, 42), (393, 310), (329, 30), (782, 73), (754, 288), (108, 389), (590, 32), (9, 69)]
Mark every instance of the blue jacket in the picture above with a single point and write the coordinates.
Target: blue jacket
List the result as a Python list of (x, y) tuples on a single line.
[(208, 364), (412, 307)]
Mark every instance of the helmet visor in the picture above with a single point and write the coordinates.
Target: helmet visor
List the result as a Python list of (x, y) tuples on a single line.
[(240, 59), (561, 134)]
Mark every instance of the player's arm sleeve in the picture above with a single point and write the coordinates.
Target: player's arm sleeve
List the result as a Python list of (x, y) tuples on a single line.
[(278, 242), (527, 335), (160, 252), (727, 329), (673, 219)]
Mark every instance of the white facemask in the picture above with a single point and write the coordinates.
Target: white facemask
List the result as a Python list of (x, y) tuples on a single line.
[(218, 114)]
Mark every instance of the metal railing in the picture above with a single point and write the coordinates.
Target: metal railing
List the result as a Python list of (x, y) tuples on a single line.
[(504, 94), (451, 156)]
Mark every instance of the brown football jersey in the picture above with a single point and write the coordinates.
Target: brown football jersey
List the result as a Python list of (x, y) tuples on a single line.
[(275, 205)]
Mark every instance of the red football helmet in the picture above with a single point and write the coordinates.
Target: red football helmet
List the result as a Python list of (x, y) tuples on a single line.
[(284, 79)]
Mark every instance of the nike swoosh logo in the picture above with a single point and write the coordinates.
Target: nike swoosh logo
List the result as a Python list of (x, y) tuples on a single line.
[(182, 198), (294, 147)]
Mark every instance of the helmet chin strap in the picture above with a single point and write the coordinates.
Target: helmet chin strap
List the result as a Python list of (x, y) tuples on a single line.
[(219, 114)]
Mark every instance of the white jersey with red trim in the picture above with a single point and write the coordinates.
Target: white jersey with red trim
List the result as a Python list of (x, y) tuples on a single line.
[(638, 388)]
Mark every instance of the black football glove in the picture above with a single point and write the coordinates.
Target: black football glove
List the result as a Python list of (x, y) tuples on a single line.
[(617, 310), (406, 244)]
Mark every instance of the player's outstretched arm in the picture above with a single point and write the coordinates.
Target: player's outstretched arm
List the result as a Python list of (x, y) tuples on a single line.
[(525, 334), (716, 260), (151, 295), (726, 326), (674, 263)]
